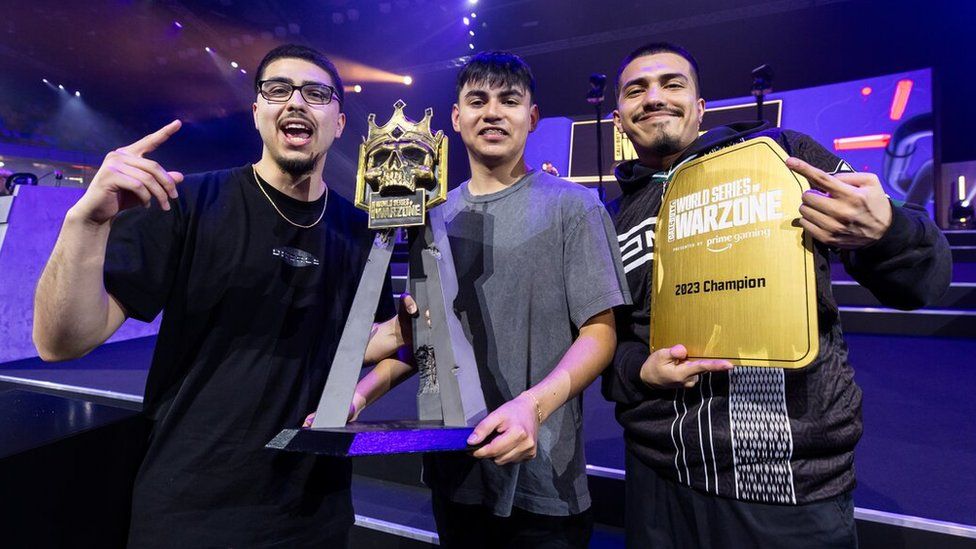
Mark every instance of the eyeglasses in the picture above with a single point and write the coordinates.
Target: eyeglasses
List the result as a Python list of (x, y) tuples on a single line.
[(277, 91)]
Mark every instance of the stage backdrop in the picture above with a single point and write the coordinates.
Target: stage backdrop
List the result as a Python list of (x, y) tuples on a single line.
[(881, 125), (35, 220)]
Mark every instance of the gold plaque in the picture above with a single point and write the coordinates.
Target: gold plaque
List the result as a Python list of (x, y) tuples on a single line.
[(733, 274), (402, 170)]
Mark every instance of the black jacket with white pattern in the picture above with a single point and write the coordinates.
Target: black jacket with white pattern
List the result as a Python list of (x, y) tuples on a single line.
[(760, 434)]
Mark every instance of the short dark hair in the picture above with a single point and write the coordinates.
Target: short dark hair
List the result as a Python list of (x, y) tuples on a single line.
[(496, 68), (315, 57), (661, 47)]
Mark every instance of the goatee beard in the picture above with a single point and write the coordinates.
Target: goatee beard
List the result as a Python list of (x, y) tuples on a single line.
[(665, 146), (296, 167)]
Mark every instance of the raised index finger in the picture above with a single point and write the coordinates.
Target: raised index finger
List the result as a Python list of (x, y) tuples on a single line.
[(817, 177), (149, 143)]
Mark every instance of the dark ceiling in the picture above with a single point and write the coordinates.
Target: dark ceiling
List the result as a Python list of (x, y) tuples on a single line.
[(135, 69)]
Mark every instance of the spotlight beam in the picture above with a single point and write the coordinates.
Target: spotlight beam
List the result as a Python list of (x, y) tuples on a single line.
[(355, 71)]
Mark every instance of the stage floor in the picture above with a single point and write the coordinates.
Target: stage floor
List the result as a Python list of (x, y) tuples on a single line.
[(914, 459)]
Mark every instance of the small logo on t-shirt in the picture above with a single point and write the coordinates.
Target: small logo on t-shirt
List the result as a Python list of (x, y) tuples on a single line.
[(295, 257)]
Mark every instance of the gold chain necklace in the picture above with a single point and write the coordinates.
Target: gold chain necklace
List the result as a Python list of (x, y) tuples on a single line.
[(283, 216)]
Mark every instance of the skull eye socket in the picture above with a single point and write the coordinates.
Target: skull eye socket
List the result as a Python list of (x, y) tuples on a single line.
[(381, 156), (414, 155)]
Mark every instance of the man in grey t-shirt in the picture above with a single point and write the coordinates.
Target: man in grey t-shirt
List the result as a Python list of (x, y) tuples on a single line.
[(533, 267), (538, 274)]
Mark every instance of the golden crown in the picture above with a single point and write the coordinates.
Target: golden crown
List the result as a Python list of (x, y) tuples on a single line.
[(401, 128)]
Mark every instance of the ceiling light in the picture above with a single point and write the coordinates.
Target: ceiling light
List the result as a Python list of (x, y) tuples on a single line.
[(233, 64), (408, 80)]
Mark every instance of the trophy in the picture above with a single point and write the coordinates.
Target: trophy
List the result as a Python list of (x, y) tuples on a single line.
[(733, 274), (402, 174)]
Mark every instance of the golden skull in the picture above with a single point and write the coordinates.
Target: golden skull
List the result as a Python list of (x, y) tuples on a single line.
[(402, 157)]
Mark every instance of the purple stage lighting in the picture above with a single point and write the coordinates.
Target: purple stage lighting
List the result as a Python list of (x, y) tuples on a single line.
[(207, 49), (177, 24), (466, 21)]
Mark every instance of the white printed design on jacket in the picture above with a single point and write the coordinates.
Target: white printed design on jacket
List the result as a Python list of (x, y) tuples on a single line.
[(637, 244)]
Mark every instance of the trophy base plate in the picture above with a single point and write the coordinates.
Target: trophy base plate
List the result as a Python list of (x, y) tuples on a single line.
[(369, 438)]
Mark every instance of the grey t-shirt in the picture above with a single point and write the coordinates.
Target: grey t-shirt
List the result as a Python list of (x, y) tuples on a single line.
[(534, 262)]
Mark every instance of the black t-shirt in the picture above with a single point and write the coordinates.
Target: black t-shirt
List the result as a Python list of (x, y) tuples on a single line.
[(253, 308)]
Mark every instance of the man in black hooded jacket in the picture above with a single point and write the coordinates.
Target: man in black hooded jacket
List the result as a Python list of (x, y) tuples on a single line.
[(722, 457)]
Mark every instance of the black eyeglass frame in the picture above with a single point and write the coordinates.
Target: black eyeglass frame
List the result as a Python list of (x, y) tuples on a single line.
[(301, 90)]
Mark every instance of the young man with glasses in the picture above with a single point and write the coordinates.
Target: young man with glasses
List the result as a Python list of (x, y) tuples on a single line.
[(254, 270)]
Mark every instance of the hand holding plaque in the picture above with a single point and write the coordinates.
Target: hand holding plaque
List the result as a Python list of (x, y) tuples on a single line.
[(670, 368)]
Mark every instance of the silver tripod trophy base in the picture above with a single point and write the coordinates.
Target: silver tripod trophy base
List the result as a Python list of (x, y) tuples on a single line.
[(451, 401)]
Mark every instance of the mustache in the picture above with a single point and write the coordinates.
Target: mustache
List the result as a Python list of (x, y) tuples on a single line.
[(297, 115), (644, 113)]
